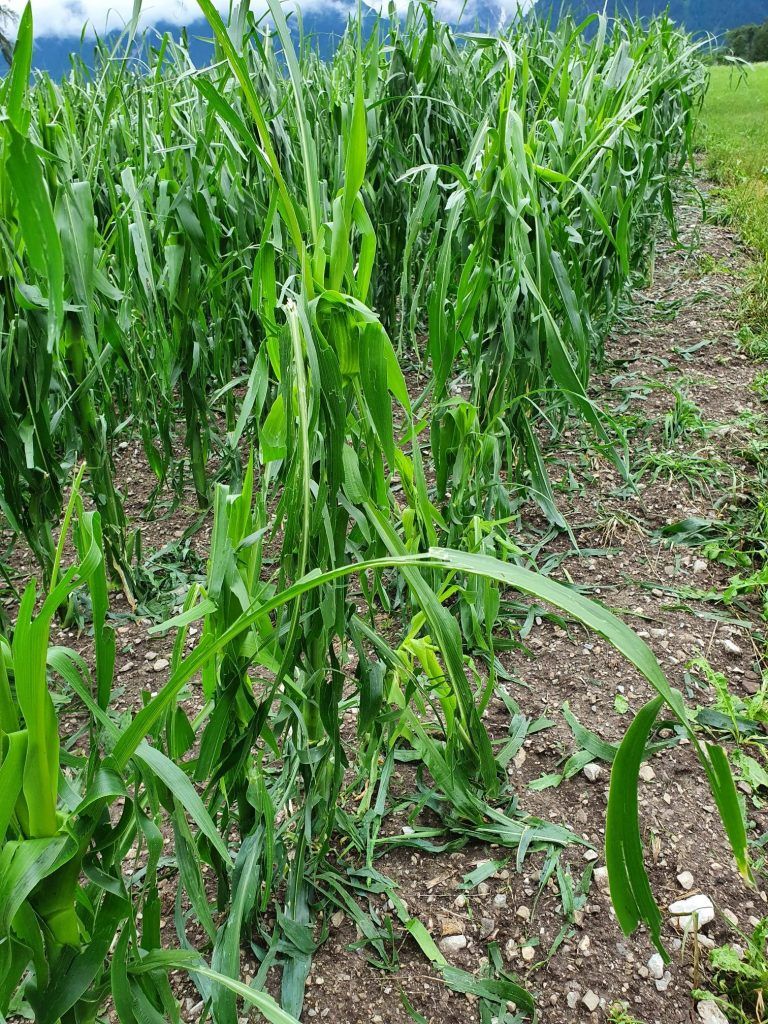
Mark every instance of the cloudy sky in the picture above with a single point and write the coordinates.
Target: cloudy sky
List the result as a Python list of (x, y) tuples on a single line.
[(66, 18)]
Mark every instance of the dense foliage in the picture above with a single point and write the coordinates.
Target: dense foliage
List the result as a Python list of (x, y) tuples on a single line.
[(749, 42), (697, 16), (235, 265)]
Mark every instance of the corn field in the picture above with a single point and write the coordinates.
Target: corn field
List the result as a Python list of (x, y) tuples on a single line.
[(344, 304)]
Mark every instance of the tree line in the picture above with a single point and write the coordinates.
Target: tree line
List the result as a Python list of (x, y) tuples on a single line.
[(750, 42)]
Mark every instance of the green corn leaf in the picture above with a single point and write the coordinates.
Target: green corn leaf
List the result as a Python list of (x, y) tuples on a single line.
[(38, 227), (18, 80), (630, 889)]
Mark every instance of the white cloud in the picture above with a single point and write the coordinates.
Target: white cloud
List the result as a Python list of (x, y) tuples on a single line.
[(68, 17)]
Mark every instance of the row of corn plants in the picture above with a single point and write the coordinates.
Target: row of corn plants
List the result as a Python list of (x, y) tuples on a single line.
[(201, 259), (511, 185)]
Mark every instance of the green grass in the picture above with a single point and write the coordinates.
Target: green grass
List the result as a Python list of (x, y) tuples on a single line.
[(735, 133)]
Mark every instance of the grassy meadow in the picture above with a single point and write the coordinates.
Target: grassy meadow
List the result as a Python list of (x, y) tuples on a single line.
[(735, 134)]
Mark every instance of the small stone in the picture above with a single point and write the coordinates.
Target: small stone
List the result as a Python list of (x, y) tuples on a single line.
[(583, 946), (460, 901), (685, 878), (590, 855), (572, 999), (500, 900), (150, 655), (656, 966), (510, 949), (591, 1000), (696, 911), (483, 889), (592, 771), (729, 646), (662, 984), (601, 877), (160, 665), (710, 1013), (487, 927), (453, 943), (450, 926), (646, 773), (524, 913), (527, 953), (731, 918), (700, 566), (407, 830)]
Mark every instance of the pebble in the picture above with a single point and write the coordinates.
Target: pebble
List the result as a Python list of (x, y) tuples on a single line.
[(700, 566), (487, 927), (592, 771), (601, 877), (646, 773), (584, 946), (710, 1013), (590, 855), (160, 665), (500, 900), (729, 646), (656, 966), (453, 943), (483, 889), (450, 926), (591, 1000), (527, 953), (685, 878), (699, 906), (662, 984), (731, 918), (572, 999), (524, 913), (460, 901)]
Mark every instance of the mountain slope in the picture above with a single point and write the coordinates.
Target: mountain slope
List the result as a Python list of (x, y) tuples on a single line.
[(326, 24), (715, 16)]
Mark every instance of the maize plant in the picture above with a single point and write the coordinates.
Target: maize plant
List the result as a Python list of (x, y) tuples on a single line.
[(238, 266)]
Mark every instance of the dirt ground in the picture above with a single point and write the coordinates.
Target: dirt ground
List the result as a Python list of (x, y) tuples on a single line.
[(680, 333)]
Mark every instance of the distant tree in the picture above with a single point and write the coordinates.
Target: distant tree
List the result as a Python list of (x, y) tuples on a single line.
[(749, 42), (7, 16), (738, 41), (760, 43)]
